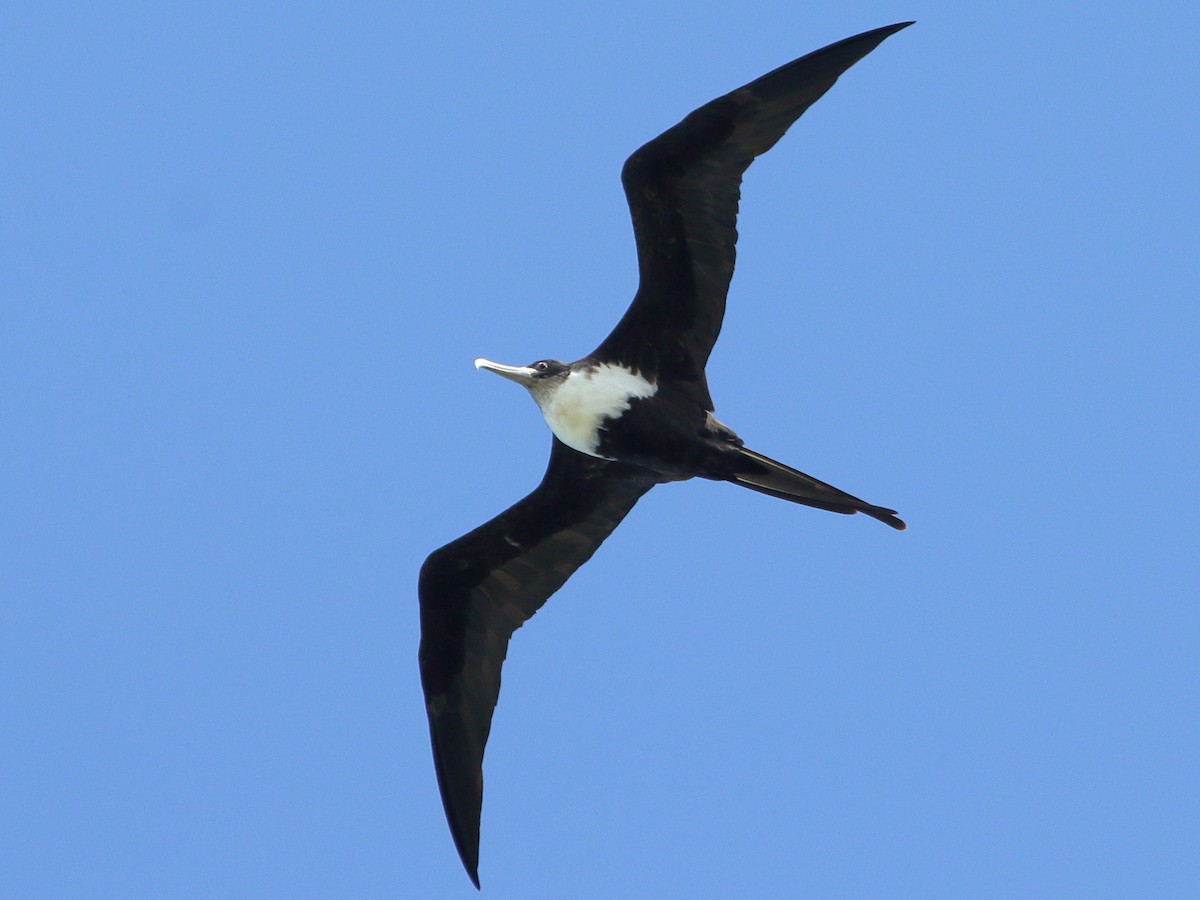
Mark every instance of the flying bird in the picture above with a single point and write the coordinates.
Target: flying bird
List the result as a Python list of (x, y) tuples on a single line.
[(634, 413)]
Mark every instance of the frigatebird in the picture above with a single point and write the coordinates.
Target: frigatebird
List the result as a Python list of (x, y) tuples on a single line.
[(634, 413)]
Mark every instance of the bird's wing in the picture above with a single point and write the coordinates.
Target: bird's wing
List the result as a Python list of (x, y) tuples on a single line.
[(683, 190), (476, 591)]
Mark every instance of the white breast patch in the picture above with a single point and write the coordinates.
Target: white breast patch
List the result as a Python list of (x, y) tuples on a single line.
[(587, 399)]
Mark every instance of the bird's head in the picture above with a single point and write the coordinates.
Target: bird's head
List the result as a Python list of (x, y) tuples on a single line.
[(541, 378)]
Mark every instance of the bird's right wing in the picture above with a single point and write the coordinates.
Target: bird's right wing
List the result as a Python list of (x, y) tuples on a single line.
[(683, 189), (476, 591)]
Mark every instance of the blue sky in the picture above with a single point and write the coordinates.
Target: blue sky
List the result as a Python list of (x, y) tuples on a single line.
[(247, 255)]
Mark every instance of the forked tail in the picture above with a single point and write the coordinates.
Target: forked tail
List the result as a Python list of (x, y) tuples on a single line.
[(769, 477)]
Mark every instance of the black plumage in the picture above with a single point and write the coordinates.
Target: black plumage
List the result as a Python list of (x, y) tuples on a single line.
[(683, 189)]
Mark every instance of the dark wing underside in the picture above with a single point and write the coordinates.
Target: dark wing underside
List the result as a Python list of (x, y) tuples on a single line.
[(683, 190), (476, 591)]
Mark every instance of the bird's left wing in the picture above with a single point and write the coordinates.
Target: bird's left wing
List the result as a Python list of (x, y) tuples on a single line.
[(683, 189), (476, 591)]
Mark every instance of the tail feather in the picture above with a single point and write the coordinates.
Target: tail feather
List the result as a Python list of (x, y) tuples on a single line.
[(770, 477)]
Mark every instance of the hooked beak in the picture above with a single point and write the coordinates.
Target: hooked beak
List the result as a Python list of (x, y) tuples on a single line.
[(522, 375)]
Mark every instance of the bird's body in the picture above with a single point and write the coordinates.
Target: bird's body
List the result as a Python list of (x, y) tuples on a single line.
[(633, 414), (589, 398)]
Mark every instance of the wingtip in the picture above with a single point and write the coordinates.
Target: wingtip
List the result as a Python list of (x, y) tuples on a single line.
[(884, 31), (469, 857), (470, 861), (887, 31)]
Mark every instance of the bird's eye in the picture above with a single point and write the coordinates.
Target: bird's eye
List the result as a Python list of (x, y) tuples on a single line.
[(542, 366)]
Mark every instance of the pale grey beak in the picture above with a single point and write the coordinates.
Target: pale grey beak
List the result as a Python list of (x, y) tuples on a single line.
[(522, 375)]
